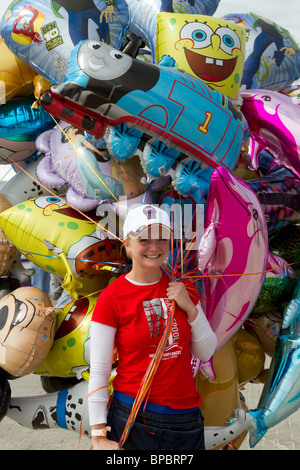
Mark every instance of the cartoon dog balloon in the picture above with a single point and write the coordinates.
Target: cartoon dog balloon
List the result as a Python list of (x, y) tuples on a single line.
[(207, 48), (27, 327)]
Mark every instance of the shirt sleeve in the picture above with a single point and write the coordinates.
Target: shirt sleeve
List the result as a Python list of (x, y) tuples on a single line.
[(203, 340), (106, 310), (101, 357)]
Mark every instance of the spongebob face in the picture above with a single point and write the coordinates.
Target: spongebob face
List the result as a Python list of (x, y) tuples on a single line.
[(208, 48)]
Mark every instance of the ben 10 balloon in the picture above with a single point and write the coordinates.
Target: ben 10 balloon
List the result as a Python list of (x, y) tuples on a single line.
[(44, 32), (207, 48)]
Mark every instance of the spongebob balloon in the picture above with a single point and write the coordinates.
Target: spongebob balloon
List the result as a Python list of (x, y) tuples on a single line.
[(59, 239), (207, 48)]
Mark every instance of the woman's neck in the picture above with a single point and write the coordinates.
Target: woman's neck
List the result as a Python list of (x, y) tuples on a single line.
[(143, 277)]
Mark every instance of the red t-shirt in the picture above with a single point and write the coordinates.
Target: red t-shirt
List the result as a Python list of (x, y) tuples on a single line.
[(139, 313)]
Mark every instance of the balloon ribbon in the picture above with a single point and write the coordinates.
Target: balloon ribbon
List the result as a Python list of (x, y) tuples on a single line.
[(149, 376)]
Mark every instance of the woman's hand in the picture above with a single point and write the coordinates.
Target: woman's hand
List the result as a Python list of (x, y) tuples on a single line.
[(177, 291), (102, 443)]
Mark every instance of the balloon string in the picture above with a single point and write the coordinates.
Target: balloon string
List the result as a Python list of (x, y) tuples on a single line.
[(61, 306), (194, 279), (205, 275), (63, 200), (78, 152), (149, 376), (129, 184)]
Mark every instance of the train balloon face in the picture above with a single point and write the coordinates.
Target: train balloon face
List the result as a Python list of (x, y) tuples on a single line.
[(105, 86)]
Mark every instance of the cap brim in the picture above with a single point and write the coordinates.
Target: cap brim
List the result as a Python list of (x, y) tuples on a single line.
[(153, 231)]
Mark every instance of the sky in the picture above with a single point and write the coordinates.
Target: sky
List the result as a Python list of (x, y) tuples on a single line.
[(285, 13)]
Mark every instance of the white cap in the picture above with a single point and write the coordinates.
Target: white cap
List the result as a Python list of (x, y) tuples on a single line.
[(141, 217)]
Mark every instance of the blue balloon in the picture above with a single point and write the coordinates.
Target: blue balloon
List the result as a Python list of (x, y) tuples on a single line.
[(169, 119), (122, 141), (272, 55), (44, 33), (279, 195), (190, 179), (20, 125), (281, 394), (19, 121)]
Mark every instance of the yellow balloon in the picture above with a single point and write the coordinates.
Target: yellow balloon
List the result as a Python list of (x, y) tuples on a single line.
[(70, 346), (62, 240), (250, 356), (16, 77), (205, 47), (41, 84), (220, 397)]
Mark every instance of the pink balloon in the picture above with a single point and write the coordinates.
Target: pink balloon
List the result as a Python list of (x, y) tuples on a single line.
[(273, 119), (233, 253)]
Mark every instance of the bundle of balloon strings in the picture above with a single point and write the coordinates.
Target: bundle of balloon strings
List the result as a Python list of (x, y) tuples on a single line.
[(149, 376)]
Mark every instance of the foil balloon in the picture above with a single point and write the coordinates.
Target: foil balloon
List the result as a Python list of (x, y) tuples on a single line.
[(63, 241), (27, 330), (41, 84), (279, 195), (70, 349), (158, 103), (250, 356), (24, 185), (272, 118), (5, 396), (272, 55), (205, 47), (66, 409), (7, 251), (144, 14), (91, 175), (265, 327), (16, 77), (280, 396), (220, 399), (278, 284), (8, 284), (20, 125), (285, 243), (233, 250), (44, 34)]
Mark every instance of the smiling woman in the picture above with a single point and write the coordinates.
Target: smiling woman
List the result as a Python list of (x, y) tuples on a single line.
[(138, 313)]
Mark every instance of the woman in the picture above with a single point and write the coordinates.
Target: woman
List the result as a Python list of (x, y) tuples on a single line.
[(131, 314)]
